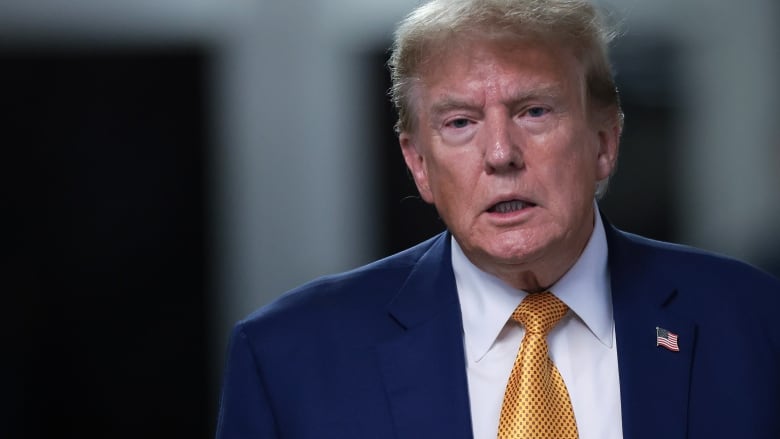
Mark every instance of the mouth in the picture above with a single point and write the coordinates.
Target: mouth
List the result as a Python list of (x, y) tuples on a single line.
[(510, 206)]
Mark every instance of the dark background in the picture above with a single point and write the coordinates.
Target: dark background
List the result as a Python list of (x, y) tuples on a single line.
[(104, 186)]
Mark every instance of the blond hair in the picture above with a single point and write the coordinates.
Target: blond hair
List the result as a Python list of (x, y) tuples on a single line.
[(438, 24)]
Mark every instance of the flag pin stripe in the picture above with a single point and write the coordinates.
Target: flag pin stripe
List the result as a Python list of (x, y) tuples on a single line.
[(666, 339)]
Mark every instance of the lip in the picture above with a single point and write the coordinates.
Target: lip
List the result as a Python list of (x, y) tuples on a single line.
[(508, 207), (508, 198)]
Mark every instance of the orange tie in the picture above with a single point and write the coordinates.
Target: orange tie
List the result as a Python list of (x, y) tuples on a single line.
[(536, 403)]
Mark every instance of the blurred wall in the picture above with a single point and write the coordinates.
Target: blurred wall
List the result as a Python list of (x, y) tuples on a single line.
[(291, 197), (726, 166)]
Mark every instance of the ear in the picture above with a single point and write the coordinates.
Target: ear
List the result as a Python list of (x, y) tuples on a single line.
[(417, 164), (609, 141)]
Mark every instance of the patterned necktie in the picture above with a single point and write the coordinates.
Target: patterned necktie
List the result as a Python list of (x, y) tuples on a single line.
[(536, 403)]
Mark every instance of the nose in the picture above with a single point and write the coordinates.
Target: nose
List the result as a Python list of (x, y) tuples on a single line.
[(502, 152)]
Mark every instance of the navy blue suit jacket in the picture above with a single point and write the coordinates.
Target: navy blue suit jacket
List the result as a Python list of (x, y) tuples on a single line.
[(378, 352)]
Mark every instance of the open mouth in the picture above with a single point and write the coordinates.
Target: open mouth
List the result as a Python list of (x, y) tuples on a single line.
[(510, 206)]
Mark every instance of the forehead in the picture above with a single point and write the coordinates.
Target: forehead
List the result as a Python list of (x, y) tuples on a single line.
[(500, 67)]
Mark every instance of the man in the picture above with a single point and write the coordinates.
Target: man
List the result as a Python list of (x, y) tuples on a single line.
[(509, 122)]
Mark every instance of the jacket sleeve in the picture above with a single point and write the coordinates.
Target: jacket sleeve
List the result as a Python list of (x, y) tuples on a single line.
[(245, 410)]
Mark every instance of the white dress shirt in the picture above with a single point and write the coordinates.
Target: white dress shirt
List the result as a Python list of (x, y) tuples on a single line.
[(582, 345)]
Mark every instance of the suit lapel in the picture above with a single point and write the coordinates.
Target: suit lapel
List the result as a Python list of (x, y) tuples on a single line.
[(654, 381), (424, 367)]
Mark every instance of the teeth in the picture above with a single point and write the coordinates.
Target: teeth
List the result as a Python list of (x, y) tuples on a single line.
[(509, 206)]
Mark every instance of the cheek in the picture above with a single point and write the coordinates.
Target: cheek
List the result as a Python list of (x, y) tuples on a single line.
[(444, 184), (583, 160), (569, 175), (453, 181)]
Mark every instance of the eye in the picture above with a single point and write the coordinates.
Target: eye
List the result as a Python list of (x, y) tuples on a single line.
[(537, 111), (458, 130), (458, 123)]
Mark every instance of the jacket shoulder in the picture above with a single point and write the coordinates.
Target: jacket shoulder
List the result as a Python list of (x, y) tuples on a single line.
[(683, 261), (347, 299)]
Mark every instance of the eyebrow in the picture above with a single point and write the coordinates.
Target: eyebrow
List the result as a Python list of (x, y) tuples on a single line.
[(449, 103), (542, 92)]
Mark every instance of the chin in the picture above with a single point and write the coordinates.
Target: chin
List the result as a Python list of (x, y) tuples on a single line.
[(507, 247), (514, 251)]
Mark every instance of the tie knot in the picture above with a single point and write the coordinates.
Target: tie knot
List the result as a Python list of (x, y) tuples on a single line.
[(539, 312)]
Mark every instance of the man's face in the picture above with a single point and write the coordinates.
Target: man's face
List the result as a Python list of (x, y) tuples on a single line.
[(506, 148)]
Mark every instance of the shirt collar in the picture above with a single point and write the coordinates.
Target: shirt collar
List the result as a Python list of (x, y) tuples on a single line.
[(487, 302)]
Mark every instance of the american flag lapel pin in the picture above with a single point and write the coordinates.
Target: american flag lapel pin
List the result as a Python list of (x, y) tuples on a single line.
[(667, 339)]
